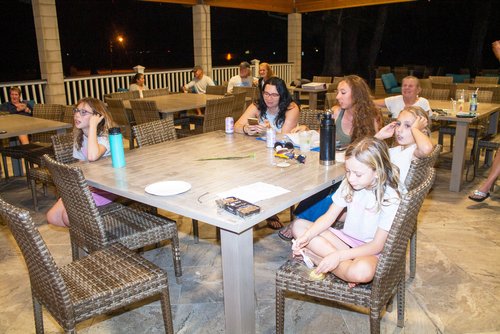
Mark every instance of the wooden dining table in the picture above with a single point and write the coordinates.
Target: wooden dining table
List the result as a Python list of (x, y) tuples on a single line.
[(13, 125), (172, 103), (484, 110), (212, 163)]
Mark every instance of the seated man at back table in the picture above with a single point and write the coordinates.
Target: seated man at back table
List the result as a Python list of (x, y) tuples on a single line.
[(244, 79), (199, 83), (18, 106)]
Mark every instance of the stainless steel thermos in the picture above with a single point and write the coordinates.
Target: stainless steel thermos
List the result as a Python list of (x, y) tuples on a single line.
[(327, 139)]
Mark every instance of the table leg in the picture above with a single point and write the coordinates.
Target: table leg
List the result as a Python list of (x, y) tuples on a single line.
[(458, 162), (313, 101), (238, 281)]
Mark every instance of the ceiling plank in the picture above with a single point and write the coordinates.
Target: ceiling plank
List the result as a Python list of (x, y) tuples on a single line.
[(305, 6)]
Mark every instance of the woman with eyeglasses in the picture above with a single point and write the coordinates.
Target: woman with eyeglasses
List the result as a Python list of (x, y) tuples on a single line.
[(275, 109), (91, 123)]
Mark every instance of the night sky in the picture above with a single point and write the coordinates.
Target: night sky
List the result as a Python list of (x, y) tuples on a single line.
[(159, 36)]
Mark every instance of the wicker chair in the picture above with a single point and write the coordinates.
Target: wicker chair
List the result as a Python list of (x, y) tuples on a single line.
[(40, 142), (154, 132), (144, 111), (440, 79), (389, 276), (330, 99), (310, 118), (419, 169), (483, 96), (435, 94), (121, 117), (125, 95), (251, 92), (93, 229), (155, 92), (323, 79), (486, 80), (106, 280), (63, 151), (238, 105), (216, 111), (216, 90)]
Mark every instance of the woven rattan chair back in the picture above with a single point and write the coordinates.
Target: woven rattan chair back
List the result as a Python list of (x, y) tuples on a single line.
[(251, 92), (122, 118), (103, 281), (216, 112), (63, 148), (310, 118), (68, 116), (216, 90), (144, 111), (52, 112), (155, 92), (87, 227), (154, 132), (330, 100), (486, 80), (483, 96), (440, 79), (389, 274), (435, 94), (238, 105), (323, 79), (125, 95), (487, 87)]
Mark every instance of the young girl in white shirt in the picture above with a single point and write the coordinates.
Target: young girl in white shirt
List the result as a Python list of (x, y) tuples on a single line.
[(370, 194), (91, 123)]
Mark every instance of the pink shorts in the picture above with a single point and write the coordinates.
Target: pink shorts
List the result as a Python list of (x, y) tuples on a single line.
[(349, 241), (102, 197)]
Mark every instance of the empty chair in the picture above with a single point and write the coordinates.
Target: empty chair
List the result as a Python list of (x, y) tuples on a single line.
[(379, 87), (155, 92), (63, 152), (459, 78), (251, 92), (216, 90), (486, 80), (216, 111), (101, 282), (440, 79), (449, 86), (239, 105), (144, 111), (330, 100), (389, 277), (400, 72), (67, 114), (154, 132), (390, 84), (121, 118), (125, 95), (92, 229), (323, 79), (435, 94), (310, 118)]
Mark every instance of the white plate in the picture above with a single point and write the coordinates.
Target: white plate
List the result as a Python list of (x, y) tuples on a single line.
[(167, 188)]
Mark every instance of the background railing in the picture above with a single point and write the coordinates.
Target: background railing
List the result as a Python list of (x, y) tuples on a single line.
[(99, 85)]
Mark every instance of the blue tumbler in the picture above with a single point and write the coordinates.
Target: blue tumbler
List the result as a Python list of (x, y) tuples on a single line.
[(116, 145)]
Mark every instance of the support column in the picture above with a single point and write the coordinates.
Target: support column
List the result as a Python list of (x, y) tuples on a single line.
[(202, 38), (49, 50), (295, 44)]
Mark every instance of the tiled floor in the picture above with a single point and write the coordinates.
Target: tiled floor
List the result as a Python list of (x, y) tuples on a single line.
[(456, 290)]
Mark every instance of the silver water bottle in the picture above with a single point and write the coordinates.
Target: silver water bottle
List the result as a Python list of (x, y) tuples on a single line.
[(327, 139)]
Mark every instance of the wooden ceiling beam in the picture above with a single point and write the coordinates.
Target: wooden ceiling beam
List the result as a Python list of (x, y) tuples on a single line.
[(284, 6), (305, 6)]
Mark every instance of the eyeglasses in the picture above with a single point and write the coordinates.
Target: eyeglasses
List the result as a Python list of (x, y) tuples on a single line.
[(273, 95), (83, 112)]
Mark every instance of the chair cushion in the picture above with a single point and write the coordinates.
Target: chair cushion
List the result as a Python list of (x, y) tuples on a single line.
[(395, 90), (389, 81)]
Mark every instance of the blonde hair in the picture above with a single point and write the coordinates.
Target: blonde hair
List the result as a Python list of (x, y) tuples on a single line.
[(270, 72), (374, 153), (418, 111), (98, 107), (15, 89)]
